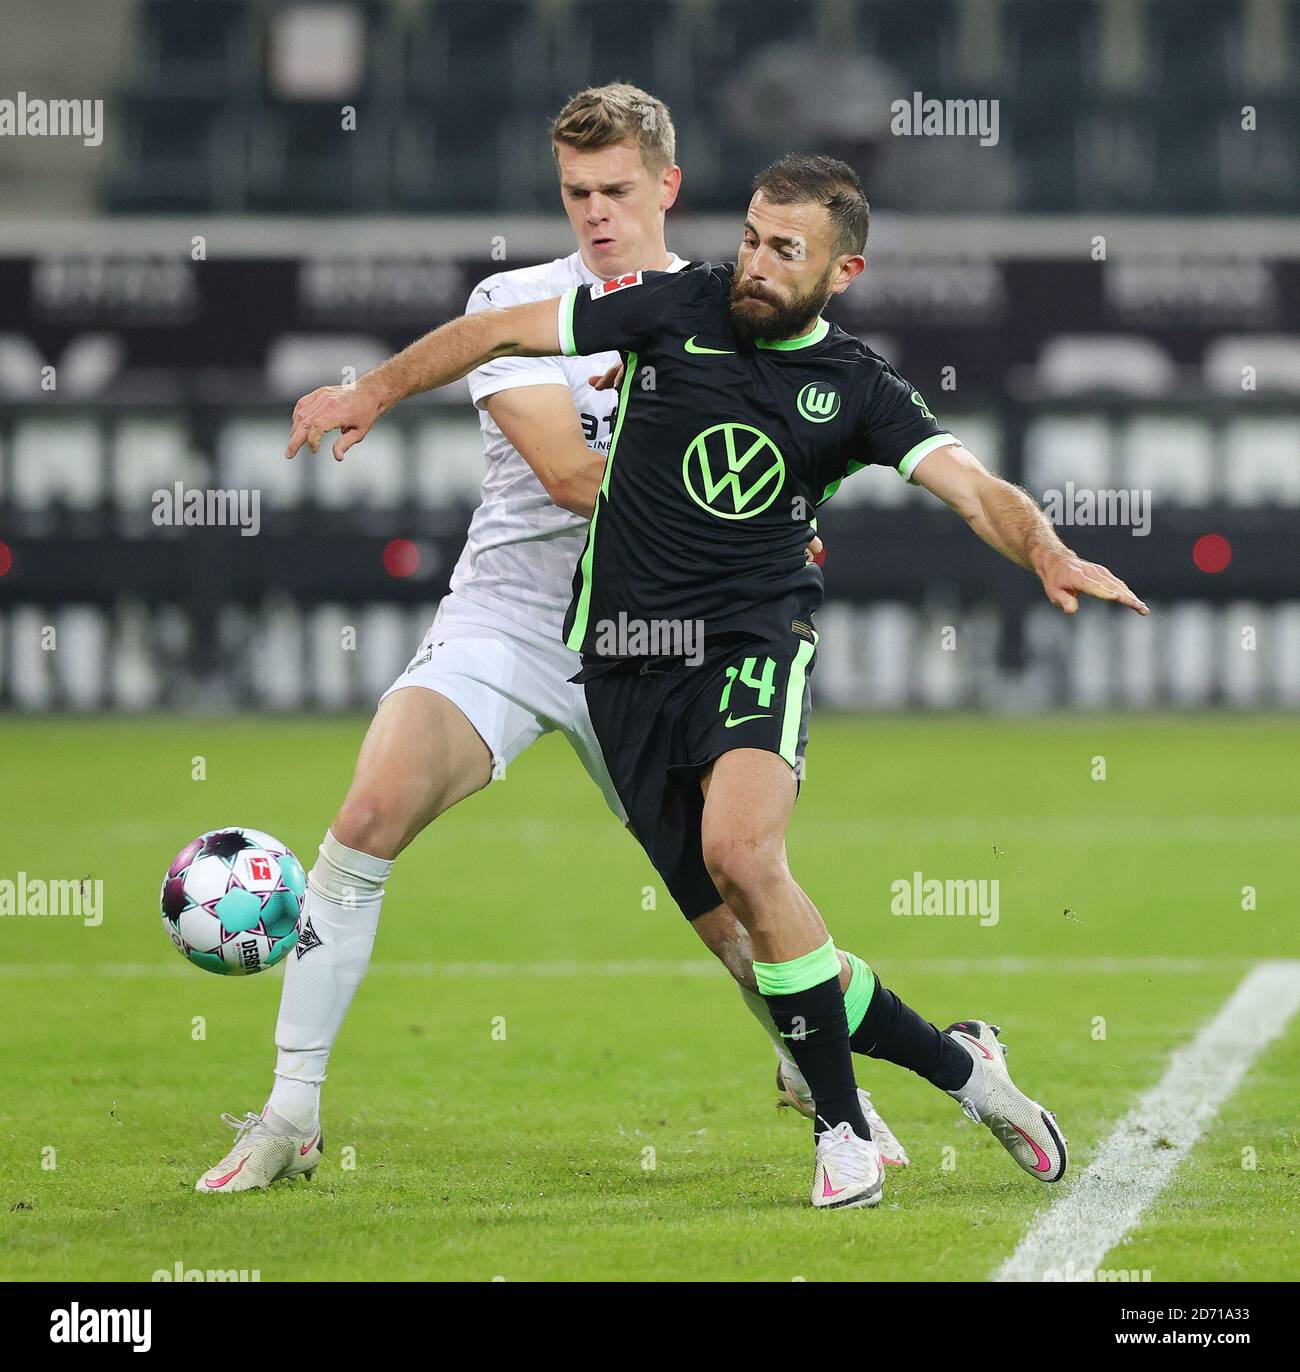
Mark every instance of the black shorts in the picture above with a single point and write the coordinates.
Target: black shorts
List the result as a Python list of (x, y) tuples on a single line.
[(660, 722)]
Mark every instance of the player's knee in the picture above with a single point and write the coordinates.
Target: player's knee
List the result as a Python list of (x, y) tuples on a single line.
[(745, 869), (371, 823)]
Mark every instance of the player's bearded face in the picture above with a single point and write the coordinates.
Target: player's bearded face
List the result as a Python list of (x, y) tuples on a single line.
[(762, 310)]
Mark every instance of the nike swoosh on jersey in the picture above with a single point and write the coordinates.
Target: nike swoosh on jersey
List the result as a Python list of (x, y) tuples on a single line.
[(730, 723), (693, 347)]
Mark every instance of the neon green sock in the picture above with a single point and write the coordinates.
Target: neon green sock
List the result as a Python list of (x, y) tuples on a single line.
[(788, 978), (861, 987)]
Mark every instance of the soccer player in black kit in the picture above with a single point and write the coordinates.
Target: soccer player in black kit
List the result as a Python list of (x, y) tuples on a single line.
[(694, 608)]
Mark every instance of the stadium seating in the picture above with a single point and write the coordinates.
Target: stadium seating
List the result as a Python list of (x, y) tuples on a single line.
[(214, 115)]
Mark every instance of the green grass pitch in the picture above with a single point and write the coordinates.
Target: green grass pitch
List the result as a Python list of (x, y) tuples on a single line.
[(624, 1126)]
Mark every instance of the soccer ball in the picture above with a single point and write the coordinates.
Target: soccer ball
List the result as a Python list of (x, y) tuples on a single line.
[(231, 901)]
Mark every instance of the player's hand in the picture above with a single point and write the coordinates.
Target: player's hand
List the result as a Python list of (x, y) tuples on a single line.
[(1066, 577), (350, 409), (816, 551), (611, 380)]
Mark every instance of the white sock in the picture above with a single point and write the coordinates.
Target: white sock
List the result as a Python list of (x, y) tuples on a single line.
[(345, 890), (793, 1076)]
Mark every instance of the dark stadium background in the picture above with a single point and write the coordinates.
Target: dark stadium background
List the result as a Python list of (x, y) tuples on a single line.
[(1106, 297)]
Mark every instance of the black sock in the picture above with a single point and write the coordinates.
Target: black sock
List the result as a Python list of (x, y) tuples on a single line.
[(816, 1031), (895, 1032)]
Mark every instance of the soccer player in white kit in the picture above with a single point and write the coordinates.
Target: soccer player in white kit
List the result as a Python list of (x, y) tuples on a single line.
[(492, 674)]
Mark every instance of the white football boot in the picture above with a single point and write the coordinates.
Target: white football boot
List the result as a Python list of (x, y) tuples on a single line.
[(848, 1172), (793, 1093), (260, 1157), (1027, 1131)]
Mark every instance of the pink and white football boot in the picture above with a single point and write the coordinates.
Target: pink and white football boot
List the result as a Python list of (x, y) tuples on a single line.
[(1023, 1127), (792, 1092), (260, 1156)]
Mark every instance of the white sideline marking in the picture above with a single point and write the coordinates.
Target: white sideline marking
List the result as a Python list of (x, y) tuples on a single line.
[(1077, 1231), (665, 967)]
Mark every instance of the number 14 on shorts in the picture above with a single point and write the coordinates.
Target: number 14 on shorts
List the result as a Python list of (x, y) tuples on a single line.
[(747, 675)]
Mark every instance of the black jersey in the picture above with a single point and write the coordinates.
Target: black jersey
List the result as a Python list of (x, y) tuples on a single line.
[(722, 449)]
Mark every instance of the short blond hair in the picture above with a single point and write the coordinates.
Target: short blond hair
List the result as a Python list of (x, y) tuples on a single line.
[(603, 116)]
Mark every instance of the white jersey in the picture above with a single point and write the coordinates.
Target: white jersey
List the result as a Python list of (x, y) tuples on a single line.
[(521, 549)]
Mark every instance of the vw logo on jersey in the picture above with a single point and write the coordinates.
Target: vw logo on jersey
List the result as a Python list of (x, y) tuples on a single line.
[(818, 403), (733, 470)]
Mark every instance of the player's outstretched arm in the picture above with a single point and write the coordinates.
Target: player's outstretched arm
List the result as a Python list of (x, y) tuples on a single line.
[(543, 426), (1007, 519), (437, 359)]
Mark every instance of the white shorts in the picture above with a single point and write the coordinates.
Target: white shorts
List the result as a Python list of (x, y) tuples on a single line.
[(513, 686)]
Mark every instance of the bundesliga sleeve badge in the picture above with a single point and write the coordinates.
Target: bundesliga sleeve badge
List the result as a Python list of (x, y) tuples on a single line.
[(617, 283)]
